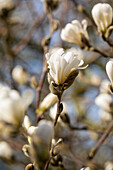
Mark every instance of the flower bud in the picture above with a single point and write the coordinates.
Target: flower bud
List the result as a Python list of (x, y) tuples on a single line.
[(76, 33), (109, 70), (48, 101), (26, 122), (102, 14), (20, 75)]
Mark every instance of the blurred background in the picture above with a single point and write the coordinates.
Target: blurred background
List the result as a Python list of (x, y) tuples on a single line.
[(22, 29)]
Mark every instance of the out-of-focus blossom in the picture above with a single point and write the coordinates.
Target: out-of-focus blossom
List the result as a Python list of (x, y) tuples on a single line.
[(13, 105), (61, 64), (76, 32), (108, 166), (26, 123), (6, 4), (45, 131), (105, 101), (48, 101), (5, 150), (32, 130), (109, 70), (105, 116), (104, 86), (102, 14), (39, 143), (20, 75)]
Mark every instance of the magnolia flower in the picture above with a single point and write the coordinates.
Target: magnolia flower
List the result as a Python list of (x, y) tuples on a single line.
[(76, 32), (102, 14), (105, 101), (13, 105), (109, 70), (20, 75), (61, 64)]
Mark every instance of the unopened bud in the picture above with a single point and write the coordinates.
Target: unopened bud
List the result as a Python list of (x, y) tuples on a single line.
[(20, 75)]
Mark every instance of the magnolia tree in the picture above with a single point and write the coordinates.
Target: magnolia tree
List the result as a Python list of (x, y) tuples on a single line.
[(56, 85)]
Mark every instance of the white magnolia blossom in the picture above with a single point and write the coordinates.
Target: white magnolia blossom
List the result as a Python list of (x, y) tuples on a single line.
[(104, 101), (5, 150), (74, 32), (61, 63), (109, 70), (13, 105), (20, 75), (102, 14), (48, 101)]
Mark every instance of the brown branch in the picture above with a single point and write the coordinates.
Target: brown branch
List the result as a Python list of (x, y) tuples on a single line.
[(100, 142), (22, 44)]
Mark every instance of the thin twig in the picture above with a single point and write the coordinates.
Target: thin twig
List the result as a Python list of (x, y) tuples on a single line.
[(22, 44), (47, 163), (100, 142)]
